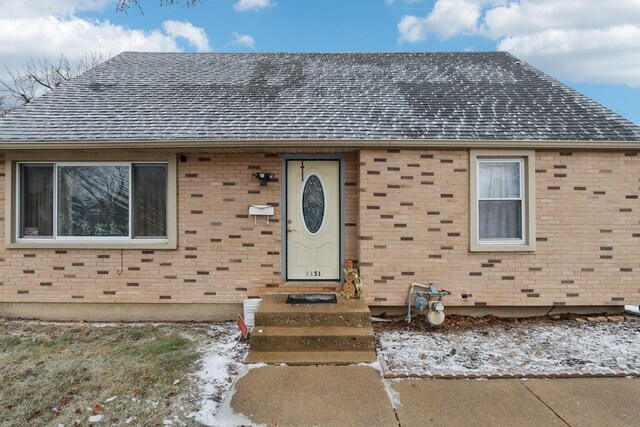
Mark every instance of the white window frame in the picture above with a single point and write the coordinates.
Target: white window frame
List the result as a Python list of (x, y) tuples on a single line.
[(521, 199), (527, 197), (13, 194)]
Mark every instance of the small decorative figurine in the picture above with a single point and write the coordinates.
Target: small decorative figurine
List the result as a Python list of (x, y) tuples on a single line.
[(352, 287)]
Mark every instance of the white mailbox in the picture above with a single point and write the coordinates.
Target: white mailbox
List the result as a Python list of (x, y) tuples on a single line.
[(260, 210)]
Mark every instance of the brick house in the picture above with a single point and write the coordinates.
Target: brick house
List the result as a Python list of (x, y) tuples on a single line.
[(128, 190)]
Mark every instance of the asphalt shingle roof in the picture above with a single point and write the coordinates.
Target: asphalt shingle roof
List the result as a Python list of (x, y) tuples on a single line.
[(313, 96)]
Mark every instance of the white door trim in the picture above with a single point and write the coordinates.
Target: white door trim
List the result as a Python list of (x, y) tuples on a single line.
[(283, 219)]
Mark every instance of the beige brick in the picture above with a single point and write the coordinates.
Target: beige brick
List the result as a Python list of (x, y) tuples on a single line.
[(578, 214)]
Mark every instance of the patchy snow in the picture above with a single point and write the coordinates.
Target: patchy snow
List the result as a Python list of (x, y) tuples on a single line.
[(503, 347), (225, 415), (393, 395), (82, 323), (632, 309), (221, 367), (394, 398)]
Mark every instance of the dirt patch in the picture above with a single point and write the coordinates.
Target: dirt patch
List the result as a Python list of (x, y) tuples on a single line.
[(462, 323)]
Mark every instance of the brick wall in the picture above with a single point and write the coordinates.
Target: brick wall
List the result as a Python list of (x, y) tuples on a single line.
[(221, 257), (414, 227), (408, 222)]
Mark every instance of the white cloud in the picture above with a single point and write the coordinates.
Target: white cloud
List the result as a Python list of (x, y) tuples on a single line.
[(245, 5), (610, 55), (244, 40), (74, 36), (412, 29), (527, 16), (448, 18), (580, 40), (50, 28), (39, 8), (195, 36)]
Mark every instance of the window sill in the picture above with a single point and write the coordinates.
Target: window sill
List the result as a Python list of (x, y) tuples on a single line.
[(506, 247), (163, 245)]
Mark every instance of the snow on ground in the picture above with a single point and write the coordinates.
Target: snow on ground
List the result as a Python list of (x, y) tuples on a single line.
[(503, 347), (221, 367), (394, 398), (632, 309)]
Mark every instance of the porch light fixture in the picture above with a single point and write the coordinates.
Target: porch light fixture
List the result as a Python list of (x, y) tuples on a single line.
[(264, 177)]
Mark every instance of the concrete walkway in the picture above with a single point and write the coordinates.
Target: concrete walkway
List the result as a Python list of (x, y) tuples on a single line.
[(470, 402), (358, 396), (573, 402), (314, 396)]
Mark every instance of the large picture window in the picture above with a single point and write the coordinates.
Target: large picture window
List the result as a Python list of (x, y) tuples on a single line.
[(92, 201), (502, 200)]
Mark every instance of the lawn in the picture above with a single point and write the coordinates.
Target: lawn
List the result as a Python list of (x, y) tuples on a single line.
[(78, 374)]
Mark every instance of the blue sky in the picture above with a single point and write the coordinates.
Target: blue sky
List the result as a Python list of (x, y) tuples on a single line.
[(590, 45)]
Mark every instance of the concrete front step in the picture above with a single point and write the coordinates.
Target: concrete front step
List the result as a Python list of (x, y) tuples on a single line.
[(311, 357), (314, 338), (312, 334), (274, 311)]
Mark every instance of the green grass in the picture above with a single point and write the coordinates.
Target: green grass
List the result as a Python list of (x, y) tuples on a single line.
[(51, 374)]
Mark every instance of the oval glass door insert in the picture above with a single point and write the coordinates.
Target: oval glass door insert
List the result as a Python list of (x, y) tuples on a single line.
[(313, 205)]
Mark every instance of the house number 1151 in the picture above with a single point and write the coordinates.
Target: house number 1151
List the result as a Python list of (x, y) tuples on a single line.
[(314, 273)]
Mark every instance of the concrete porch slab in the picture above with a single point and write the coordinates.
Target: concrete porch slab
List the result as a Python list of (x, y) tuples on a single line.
[(277, 303), (274, 311), (314, 396)]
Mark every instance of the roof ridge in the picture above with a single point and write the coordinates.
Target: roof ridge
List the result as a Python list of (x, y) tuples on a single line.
[(482, 52)]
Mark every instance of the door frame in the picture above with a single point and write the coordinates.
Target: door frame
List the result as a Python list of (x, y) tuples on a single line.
[(283, 220)]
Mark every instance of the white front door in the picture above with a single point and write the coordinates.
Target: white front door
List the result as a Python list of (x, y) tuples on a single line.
[(313, 220)]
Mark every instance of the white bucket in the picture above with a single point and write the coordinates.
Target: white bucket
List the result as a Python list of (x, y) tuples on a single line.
[(250, 307)]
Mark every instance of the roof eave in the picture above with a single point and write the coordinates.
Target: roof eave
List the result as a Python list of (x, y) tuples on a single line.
[(311, 143)]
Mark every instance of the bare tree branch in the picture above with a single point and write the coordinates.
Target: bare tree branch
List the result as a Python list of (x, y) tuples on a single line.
[(36, 77), (4, 107), (123, 5)]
